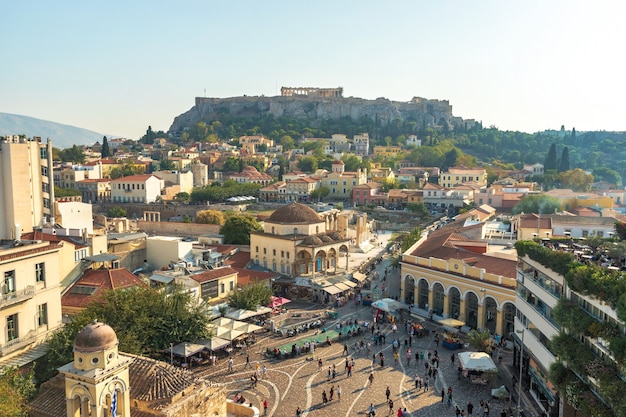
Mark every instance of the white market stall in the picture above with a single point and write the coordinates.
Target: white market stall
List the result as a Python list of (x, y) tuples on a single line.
[(475, 365)]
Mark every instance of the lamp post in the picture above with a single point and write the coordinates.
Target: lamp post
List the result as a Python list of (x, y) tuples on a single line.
[(484, 292), (171, 353), (521, 367)]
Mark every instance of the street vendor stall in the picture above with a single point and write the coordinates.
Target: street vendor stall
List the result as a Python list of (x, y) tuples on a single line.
[(475, 366)]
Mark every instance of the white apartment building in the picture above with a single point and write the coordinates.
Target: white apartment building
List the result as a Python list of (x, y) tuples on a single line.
[(26, 184), (144, 188)]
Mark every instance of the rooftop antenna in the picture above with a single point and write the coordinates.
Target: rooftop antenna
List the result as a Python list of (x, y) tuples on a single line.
[(205, 93)]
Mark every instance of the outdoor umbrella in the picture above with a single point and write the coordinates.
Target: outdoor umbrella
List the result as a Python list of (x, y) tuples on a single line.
[(388, 304), (451, 322), (278, 301), (185, 350)]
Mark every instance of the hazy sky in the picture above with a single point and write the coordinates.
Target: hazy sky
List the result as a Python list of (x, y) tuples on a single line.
[(118, 66)]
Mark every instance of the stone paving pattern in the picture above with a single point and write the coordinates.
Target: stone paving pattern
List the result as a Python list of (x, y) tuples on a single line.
[(297, 382)]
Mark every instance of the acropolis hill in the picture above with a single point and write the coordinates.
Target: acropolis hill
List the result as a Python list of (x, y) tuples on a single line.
[(320, 104)]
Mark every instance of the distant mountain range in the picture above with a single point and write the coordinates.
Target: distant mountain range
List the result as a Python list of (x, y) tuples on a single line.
[(62, 136)]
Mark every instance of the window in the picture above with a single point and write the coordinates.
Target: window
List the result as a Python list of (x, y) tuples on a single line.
[(42, 314), (257, 249), (274, 266), (264, 251), (282, 253), (44, 171), (40, 272), (9, 282), (45, 187), (43, 153), (287, 255), (282, 268), (12, 331), (46, 203), (274, 252), (231, 285), (222, 288), (585, 233), (264, 263)]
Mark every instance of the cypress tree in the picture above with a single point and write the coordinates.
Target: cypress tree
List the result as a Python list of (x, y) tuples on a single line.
[(105, 152), (564, 160), (550, 163)]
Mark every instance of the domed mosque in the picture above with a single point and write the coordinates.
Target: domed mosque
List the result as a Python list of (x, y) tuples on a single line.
[(307, 248), (102, 382)]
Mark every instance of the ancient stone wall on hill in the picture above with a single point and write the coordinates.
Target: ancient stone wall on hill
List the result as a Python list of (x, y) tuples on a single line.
[(423, 111)]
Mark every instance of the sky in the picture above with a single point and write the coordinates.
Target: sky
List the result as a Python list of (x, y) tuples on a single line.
[(118, 66)]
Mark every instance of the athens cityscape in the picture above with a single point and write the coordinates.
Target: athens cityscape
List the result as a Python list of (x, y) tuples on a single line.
[(311, 210)]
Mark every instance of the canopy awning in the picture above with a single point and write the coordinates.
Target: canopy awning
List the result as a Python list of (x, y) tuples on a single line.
[(342, 286), (388, 304), (451, 322), (359, 276), (242, 314), (228, 334), (349, 283), (477, 361), (332, 290), (185, 350), (214, 343)]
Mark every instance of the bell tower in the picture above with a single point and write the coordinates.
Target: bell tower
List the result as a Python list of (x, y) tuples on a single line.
[(97, 381)]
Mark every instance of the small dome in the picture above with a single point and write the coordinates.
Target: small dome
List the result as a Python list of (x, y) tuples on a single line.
[(95, 337), (295, 213), (336, 236), (312, 241), (326, 239)]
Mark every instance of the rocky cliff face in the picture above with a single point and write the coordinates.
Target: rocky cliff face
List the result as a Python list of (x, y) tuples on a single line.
[(423, 111)]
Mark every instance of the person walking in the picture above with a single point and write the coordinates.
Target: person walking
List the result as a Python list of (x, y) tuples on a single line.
[(230, 365), (470, 409), (390, 403), (371, 378), (247, 362), (371, 410), (345, 349), (298, 412), (331, 392), (443, 395), (338, 393), (387, 393), (417, 380), (265, 404), (319, 364), (324, 397), (264, 371)]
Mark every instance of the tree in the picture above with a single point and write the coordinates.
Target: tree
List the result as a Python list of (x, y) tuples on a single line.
[(600, 174), (352, 162), (66, 192), (236, 229), (231, 164), (116, 212), (564, 164), (73, 154), (167, 165), (149, 137), (537, 203), (480, 341), (287, 142), (319, 193), (418, 208), (576, 179), (16, 390), (251, 296), (105, 152), (210, 217), (183, 197), (307, 164), (550, 163), (145, 321)]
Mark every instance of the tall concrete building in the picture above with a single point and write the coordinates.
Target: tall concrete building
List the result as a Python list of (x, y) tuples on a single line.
[(26, 185)]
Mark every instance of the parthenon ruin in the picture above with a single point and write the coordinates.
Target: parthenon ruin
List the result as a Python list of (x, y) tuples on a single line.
[(311, 91)]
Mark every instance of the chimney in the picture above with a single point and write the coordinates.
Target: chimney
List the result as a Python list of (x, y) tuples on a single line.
[(18, 233)]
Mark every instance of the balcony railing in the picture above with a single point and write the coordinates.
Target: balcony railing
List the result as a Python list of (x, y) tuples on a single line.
[(18, 343), (12, 298)]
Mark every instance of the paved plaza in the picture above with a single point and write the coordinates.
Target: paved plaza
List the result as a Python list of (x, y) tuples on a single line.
[(299, 381)]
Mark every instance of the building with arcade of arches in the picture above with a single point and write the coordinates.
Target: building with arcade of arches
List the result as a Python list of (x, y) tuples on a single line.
[(455, 273)]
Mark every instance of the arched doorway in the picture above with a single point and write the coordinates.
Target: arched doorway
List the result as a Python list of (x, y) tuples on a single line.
[(509, 311), (454, 308), (490, 308), (423, 291), (471, 310), (439, 299), (409, 289), (320, 261)]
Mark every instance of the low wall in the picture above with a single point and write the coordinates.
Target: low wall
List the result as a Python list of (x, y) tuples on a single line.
[(177, 229)]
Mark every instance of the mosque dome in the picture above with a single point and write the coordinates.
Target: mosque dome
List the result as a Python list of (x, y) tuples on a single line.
[(295, 213), (312, 241), (95, 337), (336, 236), (326, 239)]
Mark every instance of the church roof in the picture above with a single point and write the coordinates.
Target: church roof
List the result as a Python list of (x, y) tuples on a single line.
[(295, 213)]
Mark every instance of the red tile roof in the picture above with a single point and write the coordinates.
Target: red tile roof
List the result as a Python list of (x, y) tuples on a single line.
[(213, 274), (238, 260), (94, 282), (248, 276)]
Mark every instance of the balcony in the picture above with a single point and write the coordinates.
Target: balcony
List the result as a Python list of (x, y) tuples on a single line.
[(18, 343), (16, 297)]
